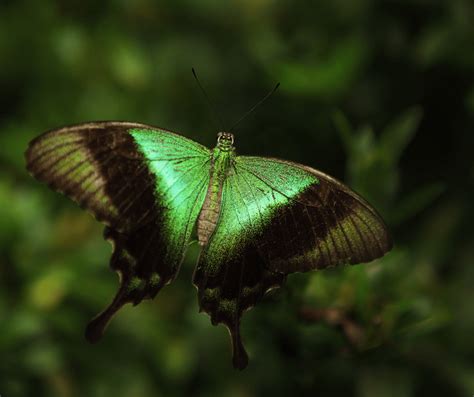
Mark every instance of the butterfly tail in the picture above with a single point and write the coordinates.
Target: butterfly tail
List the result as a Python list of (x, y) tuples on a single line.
[(96, 327), (240, 359)]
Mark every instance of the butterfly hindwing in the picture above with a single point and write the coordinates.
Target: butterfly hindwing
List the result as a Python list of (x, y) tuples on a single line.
[(276, 218), (146, 184), (235, 286)]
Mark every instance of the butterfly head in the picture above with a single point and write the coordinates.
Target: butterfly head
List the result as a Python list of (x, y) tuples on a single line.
[(225, 141)]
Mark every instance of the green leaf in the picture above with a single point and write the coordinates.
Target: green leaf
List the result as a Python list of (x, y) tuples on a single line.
[(413, 203), (399, 133)]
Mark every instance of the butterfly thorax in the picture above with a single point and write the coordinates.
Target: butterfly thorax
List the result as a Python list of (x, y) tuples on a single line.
[(221, 164)]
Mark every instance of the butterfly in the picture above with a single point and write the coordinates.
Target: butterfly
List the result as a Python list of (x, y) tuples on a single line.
[(257, 219)]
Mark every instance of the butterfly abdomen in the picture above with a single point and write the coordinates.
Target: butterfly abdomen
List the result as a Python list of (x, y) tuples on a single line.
[(210, 211), (208, 217)]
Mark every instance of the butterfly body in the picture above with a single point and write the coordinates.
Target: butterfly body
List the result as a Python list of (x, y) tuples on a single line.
[(222, 161), (258, 219)]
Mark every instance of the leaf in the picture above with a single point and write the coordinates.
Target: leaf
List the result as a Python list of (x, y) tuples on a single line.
[(416, 201), (399, 133)]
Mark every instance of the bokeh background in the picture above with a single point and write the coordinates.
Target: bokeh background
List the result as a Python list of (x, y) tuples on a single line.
[(377, 93)]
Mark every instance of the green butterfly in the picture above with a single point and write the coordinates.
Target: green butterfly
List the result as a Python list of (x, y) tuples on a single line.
[(258, 219)]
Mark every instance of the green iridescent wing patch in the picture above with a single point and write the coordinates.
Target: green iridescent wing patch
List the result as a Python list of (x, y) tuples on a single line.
[(277, 218), (146, 184)]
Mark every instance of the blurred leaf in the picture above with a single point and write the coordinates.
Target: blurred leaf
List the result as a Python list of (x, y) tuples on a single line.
[(385, 382), (372, 164), (327, 75), (344, 129), (415, 202), (399, 133)]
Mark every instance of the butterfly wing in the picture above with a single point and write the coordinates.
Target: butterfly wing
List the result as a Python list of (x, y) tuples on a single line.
[(145, 184), (279, 217), (324, 224)]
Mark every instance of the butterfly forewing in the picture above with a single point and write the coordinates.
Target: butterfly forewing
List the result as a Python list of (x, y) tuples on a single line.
[(323, 224), (146, 184)]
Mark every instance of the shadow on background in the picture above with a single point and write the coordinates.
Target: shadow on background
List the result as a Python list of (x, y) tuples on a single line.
[(379, 94)]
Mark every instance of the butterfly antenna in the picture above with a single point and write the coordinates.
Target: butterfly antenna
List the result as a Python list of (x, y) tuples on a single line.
[(217, 120), (255, 106)]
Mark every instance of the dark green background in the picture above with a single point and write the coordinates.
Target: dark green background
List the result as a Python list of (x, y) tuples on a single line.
[(377, 93)]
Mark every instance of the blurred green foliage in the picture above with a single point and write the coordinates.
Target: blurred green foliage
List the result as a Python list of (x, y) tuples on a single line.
[(379, 93)]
